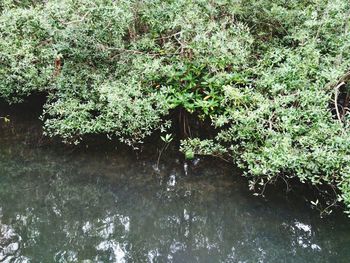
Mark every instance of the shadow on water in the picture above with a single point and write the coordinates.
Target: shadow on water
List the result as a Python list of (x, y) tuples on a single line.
[(100, 204)]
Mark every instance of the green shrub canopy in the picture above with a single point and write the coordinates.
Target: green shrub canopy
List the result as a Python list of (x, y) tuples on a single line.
[(271, 76)]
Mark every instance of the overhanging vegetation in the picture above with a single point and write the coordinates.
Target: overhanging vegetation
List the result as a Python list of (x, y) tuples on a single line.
[(270, 75)]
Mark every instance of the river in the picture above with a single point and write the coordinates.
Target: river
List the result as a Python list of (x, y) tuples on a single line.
[(106, 204)]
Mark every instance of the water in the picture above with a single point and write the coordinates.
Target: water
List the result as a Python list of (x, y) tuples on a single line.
[(58, 204)]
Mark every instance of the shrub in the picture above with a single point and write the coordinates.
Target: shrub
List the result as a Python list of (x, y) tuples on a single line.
[(270, 75)]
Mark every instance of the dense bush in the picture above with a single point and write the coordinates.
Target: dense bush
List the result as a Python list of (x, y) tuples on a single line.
[(271, 76)]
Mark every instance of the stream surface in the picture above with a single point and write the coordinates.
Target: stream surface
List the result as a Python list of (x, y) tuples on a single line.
[(100, 204)]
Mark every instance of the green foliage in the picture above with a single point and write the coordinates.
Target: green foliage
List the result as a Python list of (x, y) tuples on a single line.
[(263, 71), (201, 147), (73, 51), (281, 124)]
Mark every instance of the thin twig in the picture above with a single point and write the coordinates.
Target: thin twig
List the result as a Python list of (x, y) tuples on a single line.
[(336, 100)]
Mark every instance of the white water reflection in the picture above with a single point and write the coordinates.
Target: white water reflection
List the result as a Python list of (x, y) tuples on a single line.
[(152, 255), (9, 243), (116, 250), (304, 236)]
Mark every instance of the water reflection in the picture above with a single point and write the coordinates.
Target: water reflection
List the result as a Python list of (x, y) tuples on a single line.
[(95, 206)]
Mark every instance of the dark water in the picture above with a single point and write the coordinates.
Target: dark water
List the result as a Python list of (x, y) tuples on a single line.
[(99, 205)]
